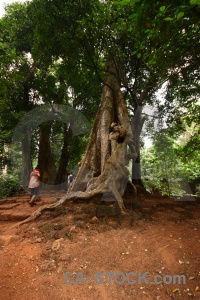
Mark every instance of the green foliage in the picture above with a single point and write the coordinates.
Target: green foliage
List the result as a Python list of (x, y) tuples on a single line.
[(171, 160), (9, 186), (68, 51), (161, 168), (31, 77), (195, 2)]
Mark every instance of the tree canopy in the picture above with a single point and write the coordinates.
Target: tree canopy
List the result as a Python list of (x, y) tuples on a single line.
[(57, 53)]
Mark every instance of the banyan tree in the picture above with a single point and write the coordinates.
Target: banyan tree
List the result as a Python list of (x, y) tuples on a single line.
[(103, 168)]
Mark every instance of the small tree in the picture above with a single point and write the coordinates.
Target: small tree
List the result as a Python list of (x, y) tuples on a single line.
[(162, 169)]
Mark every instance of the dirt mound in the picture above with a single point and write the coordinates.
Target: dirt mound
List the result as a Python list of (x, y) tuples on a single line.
[(70, 253)]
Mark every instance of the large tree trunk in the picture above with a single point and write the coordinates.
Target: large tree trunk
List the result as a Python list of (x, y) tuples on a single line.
[(64, 158), (137, 125), (103, 166), (45, 157)]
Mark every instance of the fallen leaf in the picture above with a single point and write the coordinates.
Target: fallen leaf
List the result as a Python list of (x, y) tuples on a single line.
[(175, 290), (181, 262)]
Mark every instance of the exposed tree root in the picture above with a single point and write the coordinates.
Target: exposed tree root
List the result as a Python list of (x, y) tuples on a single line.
[(68, 197), (96, 186), (102, 189)]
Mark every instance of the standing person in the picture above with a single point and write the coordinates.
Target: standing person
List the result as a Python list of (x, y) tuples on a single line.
[(70, 178), (34, 184)]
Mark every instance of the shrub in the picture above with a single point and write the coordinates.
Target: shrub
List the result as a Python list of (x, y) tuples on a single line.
[(9, 186)]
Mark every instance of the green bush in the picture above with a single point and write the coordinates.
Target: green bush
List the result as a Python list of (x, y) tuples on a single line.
[(9, 186)]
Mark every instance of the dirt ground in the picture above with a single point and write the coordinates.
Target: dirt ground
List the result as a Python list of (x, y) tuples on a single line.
[(150, 253)]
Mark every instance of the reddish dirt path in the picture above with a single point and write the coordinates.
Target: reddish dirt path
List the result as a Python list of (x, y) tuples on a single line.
[(162, 239)]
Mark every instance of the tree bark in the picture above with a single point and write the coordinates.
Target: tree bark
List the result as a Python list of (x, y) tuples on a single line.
[(64, 158), (103, 166), (137, 125), (45, 157)]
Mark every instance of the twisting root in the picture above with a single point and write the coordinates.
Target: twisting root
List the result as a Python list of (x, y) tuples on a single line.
[(68, 197)]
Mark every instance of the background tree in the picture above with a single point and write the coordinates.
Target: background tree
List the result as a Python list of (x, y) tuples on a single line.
[(17, 74), (162, 169), (38, 83)]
